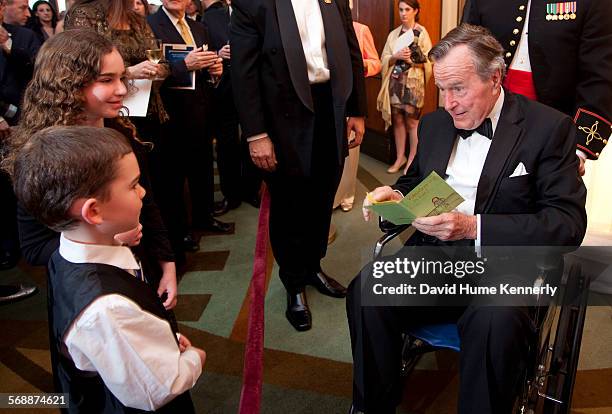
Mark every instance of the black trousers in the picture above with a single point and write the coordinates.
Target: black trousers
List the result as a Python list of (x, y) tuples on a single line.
[(238, 176), (9, 241), (183, 153), (301, 207), (494, 350)]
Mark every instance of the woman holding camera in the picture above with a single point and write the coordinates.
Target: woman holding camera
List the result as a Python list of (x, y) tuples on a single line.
[(405, 72)]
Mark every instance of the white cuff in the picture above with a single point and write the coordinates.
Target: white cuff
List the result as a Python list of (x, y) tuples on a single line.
[(581, 155), (399, 192), (256, 137), (477, 242)]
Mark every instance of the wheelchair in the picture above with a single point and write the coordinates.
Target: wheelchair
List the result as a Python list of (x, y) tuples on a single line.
[(549, 378)]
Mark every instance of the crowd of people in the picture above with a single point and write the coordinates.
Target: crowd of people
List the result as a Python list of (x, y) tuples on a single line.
[(111, 202)]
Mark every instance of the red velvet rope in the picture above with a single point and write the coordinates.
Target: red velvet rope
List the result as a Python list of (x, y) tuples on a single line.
[(252, 376)]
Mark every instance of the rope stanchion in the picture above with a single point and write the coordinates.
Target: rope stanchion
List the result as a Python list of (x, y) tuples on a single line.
[(252, 376)]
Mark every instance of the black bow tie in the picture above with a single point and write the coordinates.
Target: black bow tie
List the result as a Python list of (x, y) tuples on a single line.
[(485, 129)]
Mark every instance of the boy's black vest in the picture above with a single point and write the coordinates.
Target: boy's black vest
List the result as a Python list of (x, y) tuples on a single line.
[(72, 288)]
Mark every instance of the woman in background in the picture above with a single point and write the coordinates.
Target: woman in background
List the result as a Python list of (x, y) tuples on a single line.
[(141, 7), (404, 75), (44, 20), (194, 10)]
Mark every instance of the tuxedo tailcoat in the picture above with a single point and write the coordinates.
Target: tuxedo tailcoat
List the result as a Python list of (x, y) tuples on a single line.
[(306, 123)]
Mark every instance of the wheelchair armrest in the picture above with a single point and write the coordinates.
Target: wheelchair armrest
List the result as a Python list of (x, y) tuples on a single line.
[(391, 232), (387, 227)]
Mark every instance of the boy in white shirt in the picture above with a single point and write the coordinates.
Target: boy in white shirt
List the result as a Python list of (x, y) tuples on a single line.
[(117, 349)]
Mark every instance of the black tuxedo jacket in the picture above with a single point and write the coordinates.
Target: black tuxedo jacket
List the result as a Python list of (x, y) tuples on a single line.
[(178, 102), (17, 67), (571, 60), (270, 78), (216, 18), (545, 207)]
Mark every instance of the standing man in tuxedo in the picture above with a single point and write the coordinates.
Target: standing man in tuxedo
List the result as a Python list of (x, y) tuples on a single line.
[(513, 161), (238, 177), (18, 49), (297, 74), (186, 152), (560, 54)]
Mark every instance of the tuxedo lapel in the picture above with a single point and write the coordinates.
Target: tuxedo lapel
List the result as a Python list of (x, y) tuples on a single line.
[(443, 149), (338, 56), (294, 53), (506, 136)]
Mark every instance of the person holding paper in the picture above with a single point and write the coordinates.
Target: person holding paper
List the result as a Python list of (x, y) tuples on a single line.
[(132, 36), (187, 148), (513, 161), (297, 74), (405, 71)]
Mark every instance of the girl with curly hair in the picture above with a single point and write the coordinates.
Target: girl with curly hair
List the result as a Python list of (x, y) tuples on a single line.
[(79, 79), (132, 36)]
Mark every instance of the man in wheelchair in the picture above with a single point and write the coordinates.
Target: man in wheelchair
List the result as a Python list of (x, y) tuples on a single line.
[(513, 162)]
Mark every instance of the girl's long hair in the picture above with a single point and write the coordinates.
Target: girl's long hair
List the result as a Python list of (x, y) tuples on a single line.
[(65, 65)]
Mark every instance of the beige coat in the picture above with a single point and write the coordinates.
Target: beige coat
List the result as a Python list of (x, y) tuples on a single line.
[(383, 103)]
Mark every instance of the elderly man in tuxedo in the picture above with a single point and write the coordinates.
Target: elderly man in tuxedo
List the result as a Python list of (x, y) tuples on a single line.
[(297, 73), (478, 143)]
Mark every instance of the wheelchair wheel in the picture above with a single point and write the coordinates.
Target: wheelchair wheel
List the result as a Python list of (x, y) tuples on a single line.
[(566, 348)]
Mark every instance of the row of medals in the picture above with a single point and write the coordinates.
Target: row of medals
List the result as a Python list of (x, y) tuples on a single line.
[(565, 16), (558, 11)]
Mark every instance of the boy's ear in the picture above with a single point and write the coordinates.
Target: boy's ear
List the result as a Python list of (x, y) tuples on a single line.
[(88, 210)]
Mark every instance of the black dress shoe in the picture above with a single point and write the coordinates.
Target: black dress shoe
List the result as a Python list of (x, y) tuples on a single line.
[(298, 313), (214, 226), (13, 293), (326, 285), (224, 206), (190, 244)]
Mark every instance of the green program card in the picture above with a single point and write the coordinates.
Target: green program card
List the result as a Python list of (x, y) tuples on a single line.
[(431, 197)]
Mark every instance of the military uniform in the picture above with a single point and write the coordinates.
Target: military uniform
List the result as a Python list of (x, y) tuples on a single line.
[(566, 59)]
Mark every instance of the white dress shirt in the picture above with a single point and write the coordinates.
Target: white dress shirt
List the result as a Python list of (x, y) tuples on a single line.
[(310, 25), (520, 61), (133, 351), (466, 162)]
